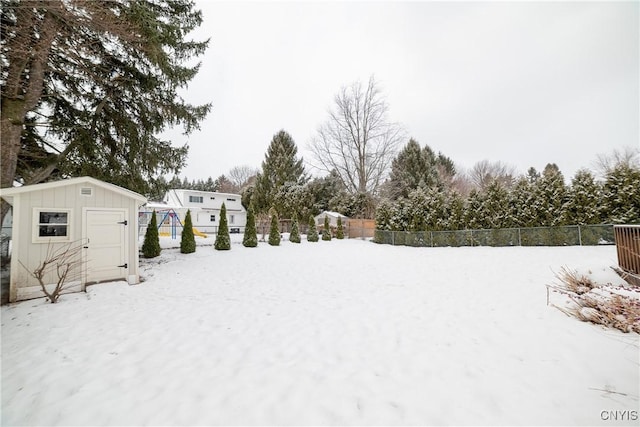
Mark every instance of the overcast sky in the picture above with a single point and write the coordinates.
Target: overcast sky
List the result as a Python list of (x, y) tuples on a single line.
[(526, 83)]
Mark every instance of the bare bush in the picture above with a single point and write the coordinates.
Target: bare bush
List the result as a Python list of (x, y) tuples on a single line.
[(608, 305), (62, 262)]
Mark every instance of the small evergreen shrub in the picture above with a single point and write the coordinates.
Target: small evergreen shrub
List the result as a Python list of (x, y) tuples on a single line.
[(250, 239), (294, 237), (187, 240), (274, 232), (223, 241), (151, 245), (312, 233), (326, 230), (340, 230)]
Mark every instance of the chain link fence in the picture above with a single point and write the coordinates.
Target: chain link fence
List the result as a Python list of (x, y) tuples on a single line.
[(570, 235)]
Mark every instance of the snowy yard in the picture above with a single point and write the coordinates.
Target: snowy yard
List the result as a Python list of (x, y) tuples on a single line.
[(340, 332)]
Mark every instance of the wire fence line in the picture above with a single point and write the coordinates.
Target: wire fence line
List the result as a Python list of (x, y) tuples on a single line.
[(569, 235)]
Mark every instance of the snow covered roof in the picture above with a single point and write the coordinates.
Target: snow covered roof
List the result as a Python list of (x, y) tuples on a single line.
[(331, 214)]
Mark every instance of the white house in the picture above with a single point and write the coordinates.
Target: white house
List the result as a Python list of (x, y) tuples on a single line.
[(205, 209), (100, 217)]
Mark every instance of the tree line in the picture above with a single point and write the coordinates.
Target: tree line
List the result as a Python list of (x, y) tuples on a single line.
[(532, 200), (425, 191)]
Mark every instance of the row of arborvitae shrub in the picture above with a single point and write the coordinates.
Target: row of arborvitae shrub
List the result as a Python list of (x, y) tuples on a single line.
[(151, 245)]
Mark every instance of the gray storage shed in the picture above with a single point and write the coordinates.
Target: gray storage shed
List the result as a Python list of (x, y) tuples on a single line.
[(101, 217)]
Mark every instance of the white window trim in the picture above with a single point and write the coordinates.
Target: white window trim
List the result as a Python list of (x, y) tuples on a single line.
[(35, 226)]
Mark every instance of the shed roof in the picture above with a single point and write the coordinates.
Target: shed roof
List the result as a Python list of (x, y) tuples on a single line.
[(8, 193), (331, 214)]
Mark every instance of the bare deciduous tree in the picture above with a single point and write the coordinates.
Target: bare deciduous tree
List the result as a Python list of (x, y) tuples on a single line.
[(628, 156), (485, 172), (358, 141), (240, 175), (62, 264)]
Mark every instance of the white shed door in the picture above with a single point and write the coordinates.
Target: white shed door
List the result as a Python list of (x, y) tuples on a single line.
[(106, 242)]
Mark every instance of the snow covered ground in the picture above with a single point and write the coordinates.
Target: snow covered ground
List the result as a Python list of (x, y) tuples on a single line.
[(341, 333)]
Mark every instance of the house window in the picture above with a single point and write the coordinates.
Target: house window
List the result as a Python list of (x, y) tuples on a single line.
[(212, 218), (231, 200), (51, 225), (231, 219), (195, 199)]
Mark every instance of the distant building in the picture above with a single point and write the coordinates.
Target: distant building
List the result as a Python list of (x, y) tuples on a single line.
[(205, 209), (333, 219)]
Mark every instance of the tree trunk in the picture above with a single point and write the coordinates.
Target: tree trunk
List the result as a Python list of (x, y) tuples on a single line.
[(22, 93)]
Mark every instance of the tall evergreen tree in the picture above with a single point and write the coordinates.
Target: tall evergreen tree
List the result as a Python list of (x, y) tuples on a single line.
[(412, 168), (416, 210), (250, 239), (436, 209), (326, 230), (384, 216), (621, 195), (495, 206), (274, 231), (454, 217), (584, 204), (474, 216), (104, 77), (524, 202), (293, 199), (322, 190), (552, 194), (294, 236), (223, 241), (312, 232), (280, 167), (187, 239), (151, 245)]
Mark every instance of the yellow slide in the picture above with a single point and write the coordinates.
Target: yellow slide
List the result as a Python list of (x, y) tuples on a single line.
[(197, 232)]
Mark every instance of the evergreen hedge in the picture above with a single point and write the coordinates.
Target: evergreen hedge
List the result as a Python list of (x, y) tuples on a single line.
[(274, 232), (312, 233), (187, 240), (326, 230), (223, 241), (294, 237), (340, 230), (151, 245), (250, 239)]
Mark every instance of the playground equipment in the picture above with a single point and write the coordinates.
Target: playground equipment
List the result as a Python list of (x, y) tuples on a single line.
[(198, 233), (168, 223), (171, 218)]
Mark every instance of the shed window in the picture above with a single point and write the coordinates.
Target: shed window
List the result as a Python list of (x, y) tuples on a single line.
[(52, 225), (195, 199)]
